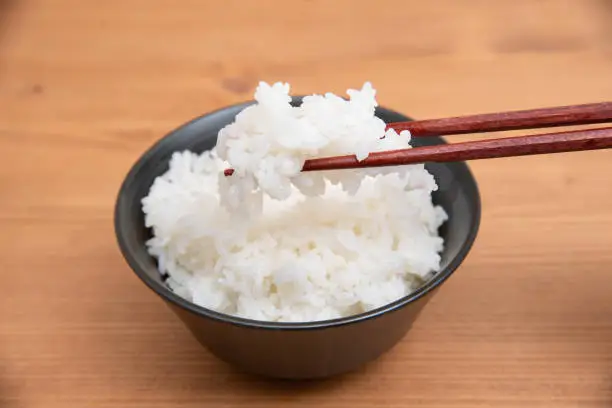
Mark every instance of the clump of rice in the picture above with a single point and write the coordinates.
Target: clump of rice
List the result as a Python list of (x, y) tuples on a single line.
[(271, 243)]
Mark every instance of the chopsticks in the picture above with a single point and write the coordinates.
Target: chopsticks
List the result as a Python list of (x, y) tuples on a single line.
[(558, 142)]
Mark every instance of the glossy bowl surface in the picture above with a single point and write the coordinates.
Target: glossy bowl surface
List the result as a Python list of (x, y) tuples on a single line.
[(292, 350)]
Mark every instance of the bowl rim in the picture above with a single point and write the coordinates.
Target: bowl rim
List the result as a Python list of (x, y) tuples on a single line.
[(173, 299)]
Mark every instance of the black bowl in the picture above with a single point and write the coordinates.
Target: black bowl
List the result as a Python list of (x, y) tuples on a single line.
[(293, 350)]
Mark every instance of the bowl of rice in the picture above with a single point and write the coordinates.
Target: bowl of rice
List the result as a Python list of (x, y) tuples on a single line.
[(292, 274)]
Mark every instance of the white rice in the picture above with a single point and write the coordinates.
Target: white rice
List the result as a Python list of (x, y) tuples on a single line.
[(271, 243)]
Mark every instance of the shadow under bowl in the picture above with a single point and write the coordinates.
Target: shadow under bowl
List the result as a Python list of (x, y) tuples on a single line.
[(293, 350)]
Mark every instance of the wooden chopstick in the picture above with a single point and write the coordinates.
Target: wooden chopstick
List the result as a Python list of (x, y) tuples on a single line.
[(578, 140), (571, 141), (592, 113)]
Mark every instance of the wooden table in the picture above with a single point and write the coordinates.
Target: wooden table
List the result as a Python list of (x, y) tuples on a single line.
[(86, 86)]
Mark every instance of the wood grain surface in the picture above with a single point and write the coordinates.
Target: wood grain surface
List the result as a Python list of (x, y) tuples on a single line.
[(86, 86)]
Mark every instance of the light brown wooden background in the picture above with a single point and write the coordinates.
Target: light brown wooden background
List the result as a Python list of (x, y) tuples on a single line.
[(86, 86)]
